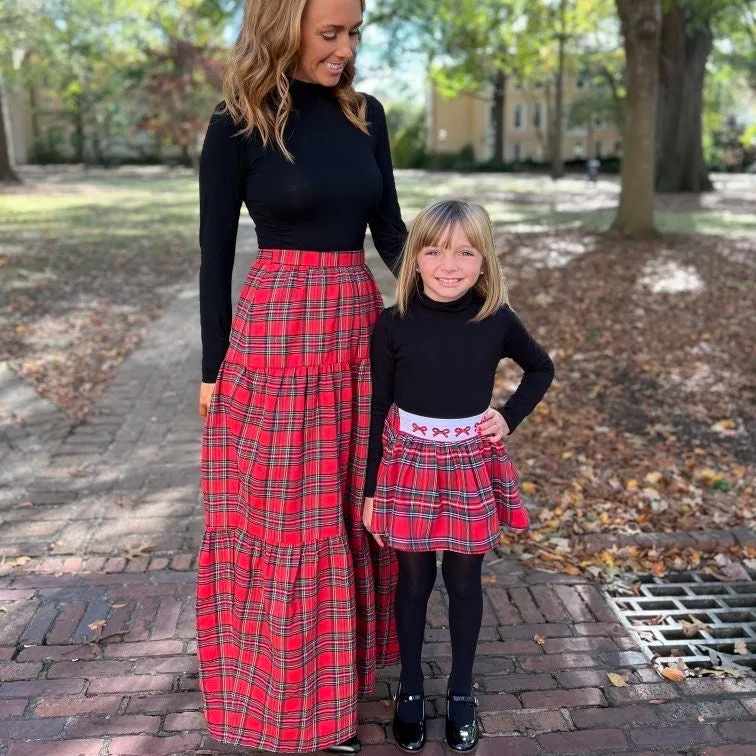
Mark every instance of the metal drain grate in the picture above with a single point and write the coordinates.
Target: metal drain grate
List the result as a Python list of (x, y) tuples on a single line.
[(720, 616)]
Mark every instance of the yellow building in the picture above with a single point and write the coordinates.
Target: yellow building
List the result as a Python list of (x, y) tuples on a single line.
[(467, 121)]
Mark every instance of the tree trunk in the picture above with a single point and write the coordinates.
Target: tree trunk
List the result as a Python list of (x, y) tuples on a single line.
[(680, 164), (36, 130), (641, 31), (499, 117), (7, 174), (79, 131), (557, 159)]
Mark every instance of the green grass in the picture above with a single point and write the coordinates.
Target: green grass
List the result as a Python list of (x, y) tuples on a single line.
[(538, 200), (162, 216), (161, 212)]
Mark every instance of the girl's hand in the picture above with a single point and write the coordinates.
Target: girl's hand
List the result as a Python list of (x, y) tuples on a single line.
[(367, 519), (493, 427), (206, 394)]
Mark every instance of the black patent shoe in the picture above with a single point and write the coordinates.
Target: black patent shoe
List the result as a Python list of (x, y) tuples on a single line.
[(353, 745), (409, 736), (462, 735)]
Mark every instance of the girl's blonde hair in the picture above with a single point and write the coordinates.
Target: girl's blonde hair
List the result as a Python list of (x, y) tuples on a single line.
[(434, 226), (255, 84)]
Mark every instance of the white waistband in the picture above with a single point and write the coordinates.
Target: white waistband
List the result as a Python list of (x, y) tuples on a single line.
[(439, 429)]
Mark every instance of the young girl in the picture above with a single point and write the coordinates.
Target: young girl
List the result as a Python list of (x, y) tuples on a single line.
[(438, 476)]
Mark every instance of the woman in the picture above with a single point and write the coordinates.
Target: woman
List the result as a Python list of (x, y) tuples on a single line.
[(293, 609)]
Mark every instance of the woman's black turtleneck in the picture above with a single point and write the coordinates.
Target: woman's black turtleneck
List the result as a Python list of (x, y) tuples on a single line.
[(436, 362), (340, 182)]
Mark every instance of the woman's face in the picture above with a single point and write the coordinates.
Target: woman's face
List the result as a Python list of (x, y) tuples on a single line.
[(330, 33)]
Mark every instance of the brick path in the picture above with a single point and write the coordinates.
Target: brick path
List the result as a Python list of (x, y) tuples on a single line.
[(80, 501)]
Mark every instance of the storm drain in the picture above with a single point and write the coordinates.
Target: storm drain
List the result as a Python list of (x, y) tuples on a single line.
[(694, 618)]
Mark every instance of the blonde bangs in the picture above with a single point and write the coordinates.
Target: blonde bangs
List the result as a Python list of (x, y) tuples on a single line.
[(255, 83), (433, 226)]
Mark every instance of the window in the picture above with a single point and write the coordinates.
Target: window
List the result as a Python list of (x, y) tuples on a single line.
[(516, 152), (578, 150), (537, 115), (618, 148), (599, 149), (519, 116), (598, 122)]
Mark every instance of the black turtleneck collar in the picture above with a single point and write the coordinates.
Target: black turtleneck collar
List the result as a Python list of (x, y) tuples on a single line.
[(307, 93), (457, 305)]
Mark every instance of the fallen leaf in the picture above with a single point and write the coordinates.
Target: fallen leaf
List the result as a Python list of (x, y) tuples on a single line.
[(736, 571), (692, 628), (24, 505), (618, 681), (19, 561), (528, 488), (740, 647), (539, 639), (673, 674), (95, 626), (132, 552), (117, 606), (727, 663)]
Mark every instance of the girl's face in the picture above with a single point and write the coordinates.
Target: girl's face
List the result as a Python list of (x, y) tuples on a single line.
[(330, 33), (450, 271)]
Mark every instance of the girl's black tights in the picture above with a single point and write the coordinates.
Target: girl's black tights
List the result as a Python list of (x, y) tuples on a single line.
[(417, 574)]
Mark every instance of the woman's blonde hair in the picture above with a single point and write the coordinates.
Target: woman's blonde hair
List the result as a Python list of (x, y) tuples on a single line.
[(255, 83), (434, 226)]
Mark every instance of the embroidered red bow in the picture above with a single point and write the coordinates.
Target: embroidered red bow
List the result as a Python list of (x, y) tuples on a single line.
[(422, 428), (459, 431), (441, 432)]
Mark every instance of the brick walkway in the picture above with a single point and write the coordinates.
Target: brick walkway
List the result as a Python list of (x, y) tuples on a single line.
[(99, 524)]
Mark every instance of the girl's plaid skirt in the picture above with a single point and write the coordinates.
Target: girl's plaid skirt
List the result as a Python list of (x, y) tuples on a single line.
[(294, 604), (444, 496)]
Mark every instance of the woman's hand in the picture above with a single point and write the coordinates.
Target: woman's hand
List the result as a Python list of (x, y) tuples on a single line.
[(367, 519), (206, 394), (493, 426)]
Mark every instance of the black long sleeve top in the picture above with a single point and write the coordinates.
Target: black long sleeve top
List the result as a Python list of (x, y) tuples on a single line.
[(341, 181), (435, 362)]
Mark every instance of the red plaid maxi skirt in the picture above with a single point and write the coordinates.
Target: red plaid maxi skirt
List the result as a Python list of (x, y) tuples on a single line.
[(433, 495), (294, 603)]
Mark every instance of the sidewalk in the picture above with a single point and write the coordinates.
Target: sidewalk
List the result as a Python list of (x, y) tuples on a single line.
[(99, 527)]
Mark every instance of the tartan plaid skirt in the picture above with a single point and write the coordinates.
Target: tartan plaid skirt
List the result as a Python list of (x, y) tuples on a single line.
[(294, 602), (434, 495)]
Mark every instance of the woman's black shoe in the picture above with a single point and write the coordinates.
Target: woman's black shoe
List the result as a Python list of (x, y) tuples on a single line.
[(462, 723), (409, 736), (353, 745)]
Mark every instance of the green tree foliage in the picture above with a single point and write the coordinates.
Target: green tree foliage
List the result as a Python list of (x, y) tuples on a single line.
[(106, 68)]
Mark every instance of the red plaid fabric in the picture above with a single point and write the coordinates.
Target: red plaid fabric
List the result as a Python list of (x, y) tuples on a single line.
[(294, 603), (444, 496)]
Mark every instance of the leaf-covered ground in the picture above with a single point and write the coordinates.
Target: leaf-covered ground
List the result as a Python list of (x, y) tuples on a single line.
[(87, 261), (650, 424)]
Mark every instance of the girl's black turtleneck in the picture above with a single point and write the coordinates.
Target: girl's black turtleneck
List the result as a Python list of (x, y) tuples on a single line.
[(340, 182), (436, 362)]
